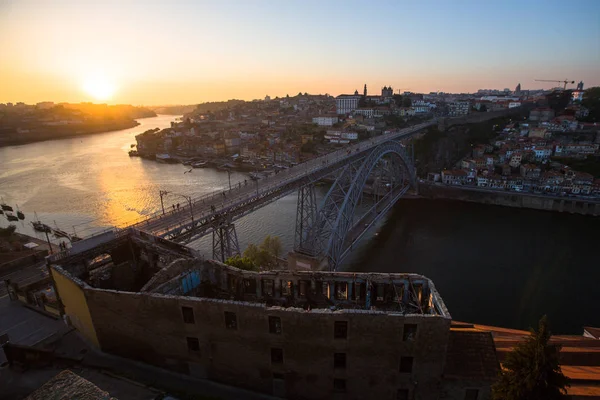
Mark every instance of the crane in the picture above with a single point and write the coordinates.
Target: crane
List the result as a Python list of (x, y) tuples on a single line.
[(557, 81)]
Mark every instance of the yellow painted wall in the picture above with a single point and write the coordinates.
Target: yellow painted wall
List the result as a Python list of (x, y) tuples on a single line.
[(75, 304)]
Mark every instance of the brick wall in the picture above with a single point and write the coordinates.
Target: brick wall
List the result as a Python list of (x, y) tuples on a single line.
[(150, 327)]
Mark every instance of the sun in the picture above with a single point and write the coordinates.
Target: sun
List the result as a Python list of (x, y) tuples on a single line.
[(99, 87)]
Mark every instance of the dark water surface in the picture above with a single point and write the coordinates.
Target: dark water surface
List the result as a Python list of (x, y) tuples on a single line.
[(496, 265)]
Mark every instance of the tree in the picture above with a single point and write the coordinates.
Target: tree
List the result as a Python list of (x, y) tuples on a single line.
[(258, 256), (272, 245), (531, 371), (397, 99), (406, 101), (244, 263)]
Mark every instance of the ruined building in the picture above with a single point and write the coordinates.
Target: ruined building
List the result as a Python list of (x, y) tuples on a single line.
[(298, 335)]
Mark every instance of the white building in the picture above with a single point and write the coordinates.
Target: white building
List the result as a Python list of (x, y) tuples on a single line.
[(336, 136), (326, 120), (346, 103)]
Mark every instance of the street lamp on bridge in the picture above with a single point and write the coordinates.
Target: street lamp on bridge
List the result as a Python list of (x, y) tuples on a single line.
[(188, 198)]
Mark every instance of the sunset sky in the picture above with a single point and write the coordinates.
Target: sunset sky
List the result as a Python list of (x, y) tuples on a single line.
[(169, 52)]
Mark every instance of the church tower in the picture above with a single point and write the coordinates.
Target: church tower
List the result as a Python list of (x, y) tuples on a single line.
[(365, 91)]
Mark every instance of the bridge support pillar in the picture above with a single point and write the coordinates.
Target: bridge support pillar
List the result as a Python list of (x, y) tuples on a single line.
[(303, 262), (225, 242), (306, 216)]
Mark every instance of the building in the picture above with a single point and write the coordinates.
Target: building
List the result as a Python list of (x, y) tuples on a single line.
[(458, 108), (292, 334), (325, 120), (386, 91), (530, 171), (454, 177), (542, 114), (346, 103)]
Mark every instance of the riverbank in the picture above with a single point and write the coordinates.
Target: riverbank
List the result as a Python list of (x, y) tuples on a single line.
[(61, 132), (573, 205)]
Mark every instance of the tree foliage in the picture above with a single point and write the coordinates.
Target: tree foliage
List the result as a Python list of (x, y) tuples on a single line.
[(265, 255), (531, 371), (244, 263), (272, 245)]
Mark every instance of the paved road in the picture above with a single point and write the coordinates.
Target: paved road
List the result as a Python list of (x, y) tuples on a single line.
[(159, 224)]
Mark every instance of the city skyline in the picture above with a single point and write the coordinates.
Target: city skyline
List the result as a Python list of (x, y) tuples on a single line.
[(156, 54)]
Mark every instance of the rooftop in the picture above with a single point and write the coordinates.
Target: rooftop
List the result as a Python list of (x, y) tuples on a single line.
[(179, 271)]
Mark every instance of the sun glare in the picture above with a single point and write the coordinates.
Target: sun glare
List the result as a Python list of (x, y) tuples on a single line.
[(99, 87)]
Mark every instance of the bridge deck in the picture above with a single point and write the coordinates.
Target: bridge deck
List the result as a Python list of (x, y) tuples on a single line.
[(249, 195)]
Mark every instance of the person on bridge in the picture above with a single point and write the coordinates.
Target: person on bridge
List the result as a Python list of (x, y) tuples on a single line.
[(173, 207), (178, 206), (245, 182)]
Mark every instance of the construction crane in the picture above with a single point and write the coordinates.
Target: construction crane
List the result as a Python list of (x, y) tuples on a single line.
[(565, 82)]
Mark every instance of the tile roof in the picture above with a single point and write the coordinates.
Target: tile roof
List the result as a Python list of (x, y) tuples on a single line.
[(471, 354), (67, 385)]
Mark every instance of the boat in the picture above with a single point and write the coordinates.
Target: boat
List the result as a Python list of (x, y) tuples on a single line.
[(39, 226), (133, 153), (10, 216), (201, 164), (20, 213), (59, 232), (5, 206)]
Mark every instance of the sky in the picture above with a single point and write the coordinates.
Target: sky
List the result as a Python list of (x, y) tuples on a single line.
[(185, 52)]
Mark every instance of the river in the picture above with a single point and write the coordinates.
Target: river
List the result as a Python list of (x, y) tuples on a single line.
[(88, 183), (496, 265), (491, 265)]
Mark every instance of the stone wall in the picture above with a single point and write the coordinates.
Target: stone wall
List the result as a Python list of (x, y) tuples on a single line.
[(150, 327), (512, 199)]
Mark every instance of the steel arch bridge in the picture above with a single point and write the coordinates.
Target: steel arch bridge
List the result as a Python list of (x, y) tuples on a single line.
[(329, 231), (351, 166)]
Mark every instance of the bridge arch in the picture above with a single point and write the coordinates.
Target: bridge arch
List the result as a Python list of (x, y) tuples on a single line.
[(335, 216)]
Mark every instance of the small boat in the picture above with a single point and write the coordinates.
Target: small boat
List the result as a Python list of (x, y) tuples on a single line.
[(201, 164), (39, 226), (132, 146), (5, 207), (20, 213), (10, 216), (133, 153), (59, 232)]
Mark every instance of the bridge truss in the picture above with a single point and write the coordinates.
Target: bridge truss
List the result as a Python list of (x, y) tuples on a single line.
[(328, 230)]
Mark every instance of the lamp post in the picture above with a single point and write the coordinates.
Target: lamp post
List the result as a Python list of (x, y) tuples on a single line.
[(188, 198), (162, 193)]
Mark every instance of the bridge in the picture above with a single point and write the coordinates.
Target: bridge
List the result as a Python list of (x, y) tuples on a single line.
[(325, 233)]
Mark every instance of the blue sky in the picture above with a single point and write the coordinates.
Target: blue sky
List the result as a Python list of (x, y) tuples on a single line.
[(183, 52)]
